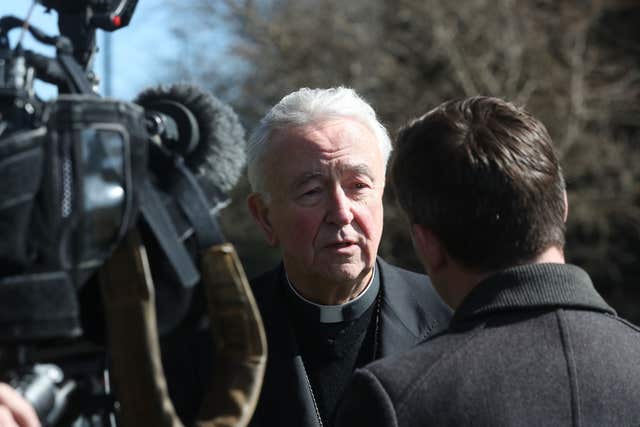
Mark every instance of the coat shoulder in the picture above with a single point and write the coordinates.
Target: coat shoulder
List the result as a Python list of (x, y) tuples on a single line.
[(265, 285), (412, 299)]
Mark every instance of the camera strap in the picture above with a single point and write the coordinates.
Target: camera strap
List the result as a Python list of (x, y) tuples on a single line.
[(193, 202), (128, 295), (156, 216)]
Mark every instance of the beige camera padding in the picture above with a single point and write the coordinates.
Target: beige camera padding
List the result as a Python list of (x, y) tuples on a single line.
[(236, 330)]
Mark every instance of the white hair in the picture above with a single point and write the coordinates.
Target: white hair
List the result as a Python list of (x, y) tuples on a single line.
[(305, 107)]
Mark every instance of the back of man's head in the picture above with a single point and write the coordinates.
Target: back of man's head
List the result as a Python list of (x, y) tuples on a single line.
[(482, 174)]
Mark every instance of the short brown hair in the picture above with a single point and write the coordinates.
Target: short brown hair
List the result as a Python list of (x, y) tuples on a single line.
[(482, 174)]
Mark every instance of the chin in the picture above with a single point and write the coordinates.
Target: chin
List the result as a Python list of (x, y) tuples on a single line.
[(347, 273)]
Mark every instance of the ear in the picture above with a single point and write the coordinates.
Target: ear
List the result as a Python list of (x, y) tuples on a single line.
[(429, 248), (259, 210), (566, 206)]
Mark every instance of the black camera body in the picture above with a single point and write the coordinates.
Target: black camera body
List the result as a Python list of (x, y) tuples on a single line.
[(70, 169), (76, 174)]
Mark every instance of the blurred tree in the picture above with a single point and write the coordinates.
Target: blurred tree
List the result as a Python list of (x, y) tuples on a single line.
[(575, 65)]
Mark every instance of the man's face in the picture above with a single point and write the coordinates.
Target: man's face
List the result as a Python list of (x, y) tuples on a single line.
[(325, 211)]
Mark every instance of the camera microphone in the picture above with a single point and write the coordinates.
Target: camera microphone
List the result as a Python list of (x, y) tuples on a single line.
[(197, 159), (217, 158)]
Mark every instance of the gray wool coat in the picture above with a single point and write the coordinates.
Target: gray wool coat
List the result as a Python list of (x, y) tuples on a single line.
[(533, 345)]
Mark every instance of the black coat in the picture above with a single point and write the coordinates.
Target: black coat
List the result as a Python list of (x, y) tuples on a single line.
[(531, 346), (411, 310)]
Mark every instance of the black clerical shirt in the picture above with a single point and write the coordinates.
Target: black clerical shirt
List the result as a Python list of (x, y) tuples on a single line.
[(334, 341)]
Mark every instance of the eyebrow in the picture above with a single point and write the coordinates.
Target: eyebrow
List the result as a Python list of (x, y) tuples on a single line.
[(357, 169), (305, 177)]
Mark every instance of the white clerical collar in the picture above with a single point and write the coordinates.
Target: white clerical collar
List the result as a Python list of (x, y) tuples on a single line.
[(341, 312)]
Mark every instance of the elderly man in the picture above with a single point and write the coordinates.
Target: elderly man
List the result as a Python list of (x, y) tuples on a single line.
[(531, 342), (317, 167)]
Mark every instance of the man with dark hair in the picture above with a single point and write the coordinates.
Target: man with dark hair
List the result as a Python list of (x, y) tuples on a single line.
[(531, 342)]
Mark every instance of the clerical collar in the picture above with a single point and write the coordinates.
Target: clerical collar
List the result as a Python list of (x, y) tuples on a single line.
[(341, 312)]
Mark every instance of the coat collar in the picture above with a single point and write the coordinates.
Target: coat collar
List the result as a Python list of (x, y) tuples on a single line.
[(336, 313), (401, 326), (534, 286)]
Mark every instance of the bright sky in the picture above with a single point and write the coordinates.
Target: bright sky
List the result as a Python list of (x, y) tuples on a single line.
[(138, 51)]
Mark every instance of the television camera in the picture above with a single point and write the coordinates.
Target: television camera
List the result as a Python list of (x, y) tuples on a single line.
[(100, 199)]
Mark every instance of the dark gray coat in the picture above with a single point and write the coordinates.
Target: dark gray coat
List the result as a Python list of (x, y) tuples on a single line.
[(531, 346), (411, 310)]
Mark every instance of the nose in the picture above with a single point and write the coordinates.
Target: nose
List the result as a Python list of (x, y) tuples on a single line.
[(339, 209)]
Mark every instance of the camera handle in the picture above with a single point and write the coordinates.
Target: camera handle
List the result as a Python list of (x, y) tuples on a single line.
[(236, 329), (239, 339), (63, 70)]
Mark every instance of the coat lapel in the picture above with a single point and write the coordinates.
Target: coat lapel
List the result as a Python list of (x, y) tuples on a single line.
[(404, 321), (286, 398)]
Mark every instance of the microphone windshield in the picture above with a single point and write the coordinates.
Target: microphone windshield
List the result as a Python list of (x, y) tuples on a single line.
[(218, 158)]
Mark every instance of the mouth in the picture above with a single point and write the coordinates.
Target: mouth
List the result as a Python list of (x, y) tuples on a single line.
[(340, 245)]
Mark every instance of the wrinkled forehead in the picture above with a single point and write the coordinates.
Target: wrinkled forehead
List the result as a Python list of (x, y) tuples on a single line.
[(325, 139), (338, 171), (343, 145)]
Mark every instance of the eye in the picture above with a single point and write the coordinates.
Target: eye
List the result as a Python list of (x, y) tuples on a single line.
[(360, 186), (310, 195)]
